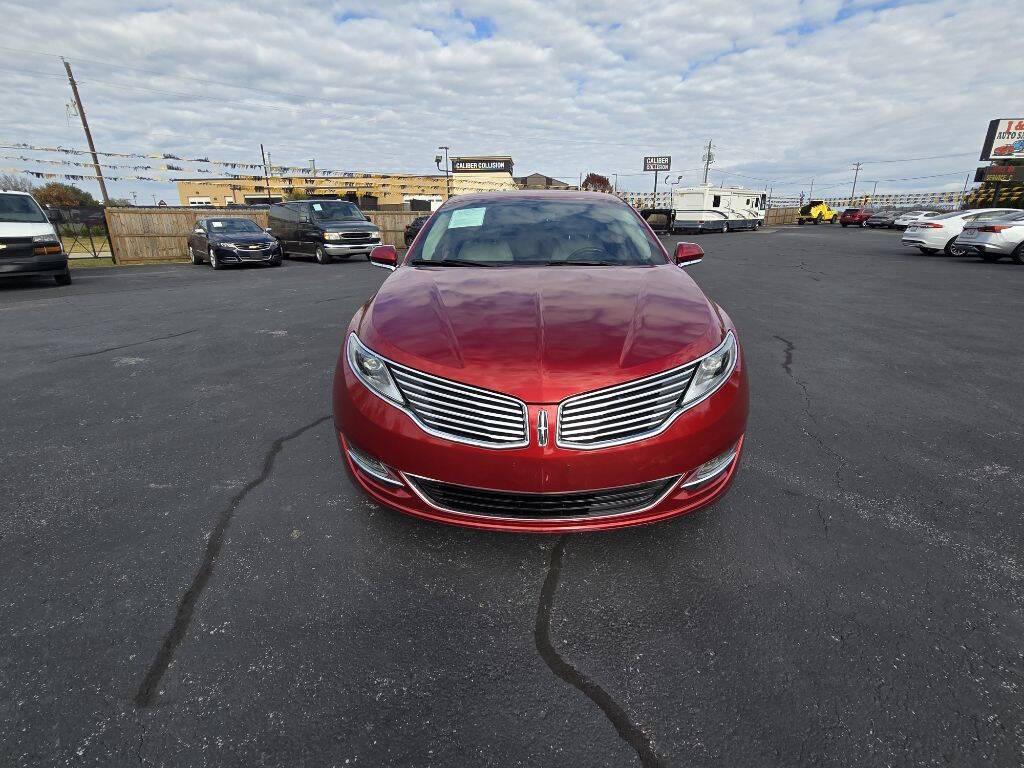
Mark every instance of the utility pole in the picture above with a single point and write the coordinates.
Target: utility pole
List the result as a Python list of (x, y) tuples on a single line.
[(811, 194), (873, 190), (655, 183), (615, 187), (856, 173), (88, 133), (709, 158), (266, 173)]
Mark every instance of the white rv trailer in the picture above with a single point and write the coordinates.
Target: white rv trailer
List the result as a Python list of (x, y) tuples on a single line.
[(704, 208)]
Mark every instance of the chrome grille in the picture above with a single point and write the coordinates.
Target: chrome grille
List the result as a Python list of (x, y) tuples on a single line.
[(543, 506), (624, 412), (460, 412)]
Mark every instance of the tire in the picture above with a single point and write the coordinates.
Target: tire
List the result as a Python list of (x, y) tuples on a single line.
[(843, 226), (214, 262), (834, 219), (817, 220), (800, 222), (194, 257), (926, 251), (864, 224), (1017, 256), (952, 249), (275, 262), (322, 256), (64, 278)]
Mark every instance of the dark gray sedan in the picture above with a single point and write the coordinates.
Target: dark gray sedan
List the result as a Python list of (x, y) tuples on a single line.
[(883, 219), (220, 241)]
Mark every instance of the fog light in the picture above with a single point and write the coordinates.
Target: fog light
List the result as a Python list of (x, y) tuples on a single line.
[(710, 469), (373, 467)]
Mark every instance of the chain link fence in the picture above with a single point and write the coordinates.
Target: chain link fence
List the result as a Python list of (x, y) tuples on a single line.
[(82, 230)]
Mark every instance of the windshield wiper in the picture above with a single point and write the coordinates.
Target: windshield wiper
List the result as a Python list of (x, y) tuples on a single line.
[(580, 264), (449, 263)]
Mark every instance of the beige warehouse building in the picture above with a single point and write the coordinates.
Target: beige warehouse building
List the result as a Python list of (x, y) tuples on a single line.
[(382, 191)]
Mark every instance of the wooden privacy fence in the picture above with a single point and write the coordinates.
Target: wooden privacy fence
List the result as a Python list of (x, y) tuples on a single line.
[(151, 235), (775, 216)]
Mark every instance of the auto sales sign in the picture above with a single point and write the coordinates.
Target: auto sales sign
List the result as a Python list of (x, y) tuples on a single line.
[(1005, 139)]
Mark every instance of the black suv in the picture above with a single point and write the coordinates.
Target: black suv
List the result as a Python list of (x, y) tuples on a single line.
[(324, 229), (413, 228)]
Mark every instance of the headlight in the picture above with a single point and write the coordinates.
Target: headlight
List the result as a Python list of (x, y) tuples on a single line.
[(51, 238), (712, 371), (371, 370), (332, 235)]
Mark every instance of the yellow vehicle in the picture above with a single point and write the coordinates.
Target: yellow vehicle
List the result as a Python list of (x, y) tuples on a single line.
[(815, 212)]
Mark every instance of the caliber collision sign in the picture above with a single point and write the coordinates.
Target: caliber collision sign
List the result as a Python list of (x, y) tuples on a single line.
[(659, 163), (1005, 139)]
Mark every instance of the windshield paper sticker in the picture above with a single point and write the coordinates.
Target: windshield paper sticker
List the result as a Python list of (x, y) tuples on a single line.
[(467, 217), (317, 207), (217, 223)]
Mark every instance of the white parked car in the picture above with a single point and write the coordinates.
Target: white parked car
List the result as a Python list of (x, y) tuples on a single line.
[(939, 233), (908, 217), (995, 238)]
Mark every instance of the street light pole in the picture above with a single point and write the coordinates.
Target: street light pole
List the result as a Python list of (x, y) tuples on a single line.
[(447, 175), (856, 173)]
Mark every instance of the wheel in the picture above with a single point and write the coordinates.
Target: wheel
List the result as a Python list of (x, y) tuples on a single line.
[(800, 222), (1017, 255), (322, 257), (276, 262), (817, 220), (834, 219), (926, 251), (952, 249), (863, 224), (993, 257), (64, 278), (214, 261), (194, 257)]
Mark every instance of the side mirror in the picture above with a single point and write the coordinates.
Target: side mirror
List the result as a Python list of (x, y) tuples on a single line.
[(304, 218), (687, 254), (384, 256), (198, 230), (268, 230)]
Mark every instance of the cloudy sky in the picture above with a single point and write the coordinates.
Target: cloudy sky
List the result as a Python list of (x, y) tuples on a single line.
[(788, 89)]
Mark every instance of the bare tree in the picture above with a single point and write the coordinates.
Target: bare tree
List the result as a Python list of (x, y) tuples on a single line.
[(15, 182)]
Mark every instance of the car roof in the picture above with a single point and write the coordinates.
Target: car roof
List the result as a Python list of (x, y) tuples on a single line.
[(537, 194), (16, 192)]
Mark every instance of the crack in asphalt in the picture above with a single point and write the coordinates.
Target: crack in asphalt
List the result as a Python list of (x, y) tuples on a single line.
[(840, 461), (124, 346), (148, 690), (628, 730)]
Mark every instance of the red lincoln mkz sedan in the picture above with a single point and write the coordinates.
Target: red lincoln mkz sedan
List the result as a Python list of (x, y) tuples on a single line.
[(538, 362)]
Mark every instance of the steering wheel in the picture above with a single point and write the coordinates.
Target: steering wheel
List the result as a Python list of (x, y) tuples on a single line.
[(592, 251)]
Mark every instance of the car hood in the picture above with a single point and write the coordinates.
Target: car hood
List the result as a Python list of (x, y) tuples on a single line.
[(24, 229), (242, 237), (541, 333), (343, 226)]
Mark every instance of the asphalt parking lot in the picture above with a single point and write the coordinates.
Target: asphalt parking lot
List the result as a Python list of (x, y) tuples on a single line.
[(190, 579)]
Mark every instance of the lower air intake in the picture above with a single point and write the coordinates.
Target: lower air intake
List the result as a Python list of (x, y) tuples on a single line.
[(543, 506)]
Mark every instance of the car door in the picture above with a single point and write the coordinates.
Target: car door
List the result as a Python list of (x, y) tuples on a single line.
[(306, 230), (198, 240), (276, 223)]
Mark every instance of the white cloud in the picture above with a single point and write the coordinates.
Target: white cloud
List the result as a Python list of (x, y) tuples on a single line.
[(788, 89)]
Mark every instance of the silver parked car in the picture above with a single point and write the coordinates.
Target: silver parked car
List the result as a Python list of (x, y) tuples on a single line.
[(995, 238)]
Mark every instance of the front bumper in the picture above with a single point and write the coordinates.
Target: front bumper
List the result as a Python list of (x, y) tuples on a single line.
[(28, 265), (247, 255), (389, 435), (336, 248)]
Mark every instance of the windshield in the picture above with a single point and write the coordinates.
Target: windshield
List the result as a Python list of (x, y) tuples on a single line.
[(537, 231), (20, 208), (225, 226), (334, 210)]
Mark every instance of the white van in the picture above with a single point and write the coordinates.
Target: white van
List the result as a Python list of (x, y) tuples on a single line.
[(28, 242)]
